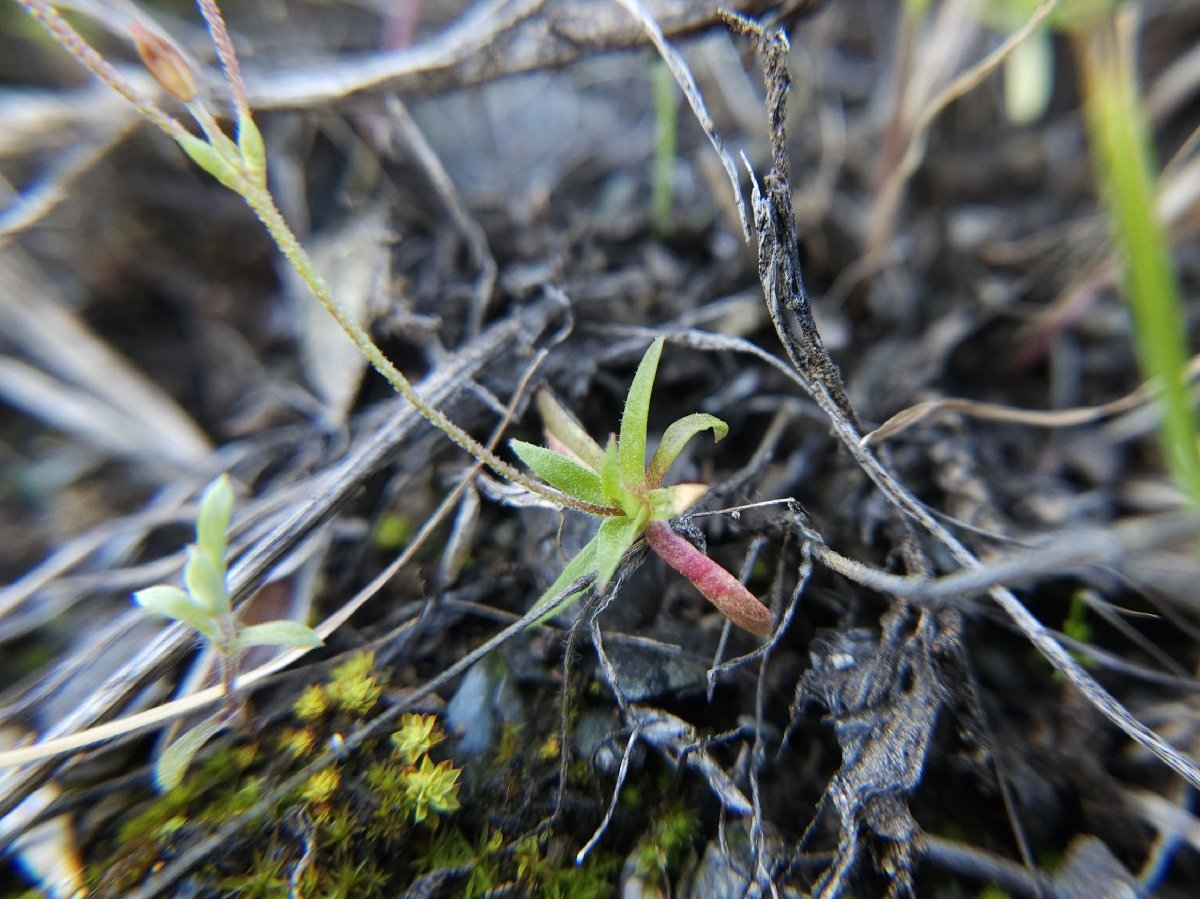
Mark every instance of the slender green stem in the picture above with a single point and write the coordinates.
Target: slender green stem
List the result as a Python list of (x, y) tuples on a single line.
[(261, 202), (666, 104), (236, 171), (229, 61), (50, 19)]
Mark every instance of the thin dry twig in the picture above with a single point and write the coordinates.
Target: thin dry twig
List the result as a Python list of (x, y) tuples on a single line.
[(328, 491), (477, 241), (1038, 418), (780, 275), (84, 385), (887, 204), (491, 40)]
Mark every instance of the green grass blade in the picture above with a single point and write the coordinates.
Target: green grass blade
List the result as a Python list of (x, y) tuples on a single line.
[(1121, 147), (666, 106)]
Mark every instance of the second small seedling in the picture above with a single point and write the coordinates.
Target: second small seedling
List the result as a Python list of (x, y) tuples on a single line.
[(205, 606)]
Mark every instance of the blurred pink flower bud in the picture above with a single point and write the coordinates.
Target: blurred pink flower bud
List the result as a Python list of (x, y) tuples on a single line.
[(165, 63)]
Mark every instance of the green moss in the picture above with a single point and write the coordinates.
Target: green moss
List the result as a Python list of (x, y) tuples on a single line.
[(378, 822), (220, 788), (449, 850), (511, 745), (216, 792), (561, 878), (312, 703), (416, 736), (660, 852), (431, 788), (355, 686), (993, 892), (297, 742), (393, 532), (550, 750), (320, 787), (267, 877), (340, 825)]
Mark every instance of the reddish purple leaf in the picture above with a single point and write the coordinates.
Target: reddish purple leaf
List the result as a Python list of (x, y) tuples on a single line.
[(719, 587)]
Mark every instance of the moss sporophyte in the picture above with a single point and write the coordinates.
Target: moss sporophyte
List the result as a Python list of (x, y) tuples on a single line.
[(629, 497)]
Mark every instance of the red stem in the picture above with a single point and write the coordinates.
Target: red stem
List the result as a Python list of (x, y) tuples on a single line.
[(719, 587)]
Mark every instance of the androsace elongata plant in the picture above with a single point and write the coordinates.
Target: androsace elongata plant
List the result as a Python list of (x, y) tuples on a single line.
[(619, 476)]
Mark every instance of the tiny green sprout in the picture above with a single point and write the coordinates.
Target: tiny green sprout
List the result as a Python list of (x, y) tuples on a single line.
[(205, 606), (432, 788), (618, 480), (393, 532), (416, 736)]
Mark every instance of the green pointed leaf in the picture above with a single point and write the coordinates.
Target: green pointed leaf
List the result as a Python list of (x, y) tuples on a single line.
[(583, 564), (212, 522), (567, 430), (173, 764), (173, 603), (210, 160), (253, 153), (677, 437), (278, 633), (612, 541), (667, 502), (205, 582), (561, 472), (632, 442)]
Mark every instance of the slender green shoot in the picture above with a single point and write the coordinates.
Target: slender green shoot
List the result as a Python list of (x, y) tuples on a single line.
[(241, 166), (205, 606), (1121, 148), (666, 115)]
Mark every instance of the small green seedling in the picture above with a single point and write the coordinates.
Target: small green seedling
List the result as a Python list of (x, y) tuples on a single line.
[(631, 498), (206, 608)]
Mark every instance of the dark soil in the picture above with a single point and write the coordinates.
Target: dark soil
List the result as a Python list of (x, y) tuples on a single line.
[(485, 196)]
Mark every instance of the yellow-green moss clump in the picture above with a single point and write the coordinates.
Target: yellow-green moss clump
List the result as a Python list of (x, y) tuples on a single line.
[(355, 686), (380, 821)]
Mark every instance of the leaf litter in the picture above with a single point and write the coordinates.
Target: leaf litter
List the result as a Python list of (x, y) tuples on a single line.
[(915, 710)]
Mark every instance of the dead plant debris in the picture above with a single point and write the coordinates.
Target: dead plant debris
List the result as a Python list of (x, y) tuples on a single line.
[(942, 473)]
